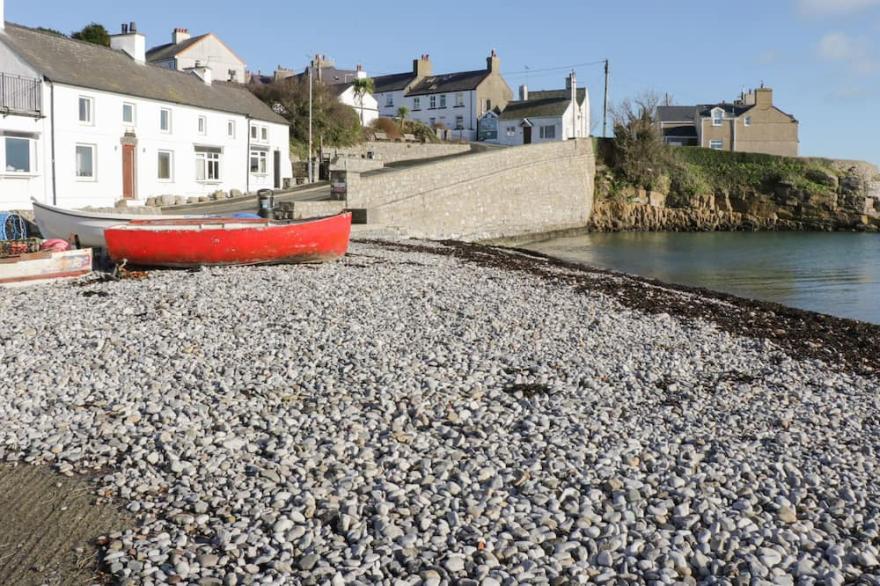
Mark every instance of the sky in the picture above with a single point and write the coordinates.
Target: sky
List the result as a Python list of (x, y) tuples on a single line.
[(821, 57)]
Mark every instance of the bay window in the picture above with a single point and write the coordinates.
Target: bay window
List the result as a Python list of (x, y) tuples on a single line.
[(259, 164), (207, 164), (18, 155), (85, 161)]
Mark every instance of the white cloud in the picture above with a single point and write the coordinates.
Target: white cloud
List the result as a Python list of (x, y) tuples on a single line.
[(831, 7), (854, 51)]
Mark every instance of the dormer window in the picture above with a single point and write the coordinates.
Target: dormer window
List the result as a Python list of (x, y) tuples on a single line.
[(717, 117)]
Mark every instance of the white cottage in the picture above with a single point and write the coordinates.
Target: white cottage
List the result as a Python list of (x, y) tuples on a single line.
[(87, 125), (542, 116), (185, 51)]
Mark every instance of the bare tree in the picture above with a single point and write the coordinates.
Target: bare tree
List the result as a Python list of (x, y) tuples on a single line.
[(639, 154)]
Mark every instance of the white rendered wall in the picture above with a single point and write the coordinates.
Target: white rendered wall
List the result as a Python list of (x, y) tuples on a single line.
[(366, 114), (108, 128), (215, 55)]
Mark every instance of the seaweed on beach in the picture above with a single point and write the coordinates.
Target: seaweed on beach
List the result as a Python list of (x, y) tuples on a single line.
[(838, 342)]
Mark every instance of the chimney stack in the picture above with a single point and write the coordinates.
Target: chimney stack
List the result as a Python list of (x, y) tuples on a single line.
[(764, 98), (179, 35), (131, 42), (360, 73), (493, 63), (524, 93), (422, 66), (203, 72)]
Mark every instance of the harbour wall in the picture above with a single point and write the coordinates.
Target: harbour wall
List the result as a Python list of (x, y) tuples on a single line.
[(493, 194)]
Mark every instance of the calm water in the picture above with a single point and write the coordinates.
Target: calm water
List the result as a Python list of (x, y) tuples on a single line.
[(838, 274)]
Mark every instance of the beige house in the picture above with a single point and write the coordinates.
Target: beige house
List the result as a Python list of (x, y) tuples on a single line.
[(751, 124)]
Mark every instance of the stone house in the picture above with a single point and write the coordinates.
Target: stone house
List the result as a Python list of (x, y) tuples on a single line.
[(751, 124), (456, 101), (540, 116), (185, 52), (87, 125)]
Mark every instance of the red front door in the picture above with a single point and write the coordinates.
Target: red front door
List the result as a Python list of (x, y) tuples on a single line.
[(128, 171)]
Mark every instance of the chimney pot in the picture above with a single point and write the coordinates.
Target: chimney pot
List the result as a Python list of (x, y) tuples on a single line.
[(132, 27), (124, 28), (524, 93)]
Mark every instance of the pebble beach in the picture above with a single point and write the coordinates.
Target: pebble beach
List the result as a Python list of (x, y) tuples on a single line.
[(422, 413)]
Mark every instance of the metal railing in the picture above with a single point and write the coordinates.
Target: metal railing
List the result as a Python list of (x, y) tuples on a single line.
[(20, 95)]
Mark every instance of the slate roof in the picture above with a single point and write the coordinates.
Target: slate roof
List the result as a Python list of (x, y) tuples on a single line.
[(705, 110), (449, 82), (171, 50), (558, 94), (86, 65), (542, 104), (676, 113), (547, 108), (393, 83)]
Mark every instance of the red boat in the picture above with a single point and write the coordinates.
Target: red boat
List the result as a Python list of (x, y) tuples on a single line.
[(182, 243)]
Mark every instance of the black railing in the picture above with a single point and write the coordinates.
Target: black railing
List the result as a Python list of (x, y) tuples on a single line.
[(20, 95)]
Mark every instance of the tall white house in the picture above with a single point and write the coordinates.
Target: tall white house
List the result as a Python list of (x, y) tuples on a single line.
[(540, 116), (86, 125), (185, 51)]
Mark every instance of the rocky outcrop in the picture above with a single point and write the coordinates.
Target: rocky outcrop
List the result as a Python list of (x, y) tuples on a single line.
[(846, 202)]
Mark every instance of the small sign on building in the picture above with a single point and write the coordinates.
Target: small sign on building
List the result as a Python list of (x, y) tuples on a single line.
[(338, 184)]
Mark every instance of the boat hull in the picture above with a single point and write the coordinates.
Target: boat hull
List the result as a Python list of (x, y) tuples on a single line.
[(88, 227), (228, 241), (43, 267)]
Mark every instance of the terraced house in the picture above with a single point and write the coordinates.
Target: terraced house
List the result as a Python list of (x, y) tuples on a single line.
[(750, 124), (456, 101), (87, 125)]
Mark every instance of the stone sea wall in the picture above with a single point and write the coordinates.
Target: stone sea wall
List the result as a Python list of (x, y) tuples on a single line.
[(493, 194), (395, 152)]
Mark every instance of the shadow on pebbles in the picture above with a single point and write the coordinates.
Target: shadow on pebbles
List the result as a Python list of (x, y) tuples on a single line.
[(49, 527)]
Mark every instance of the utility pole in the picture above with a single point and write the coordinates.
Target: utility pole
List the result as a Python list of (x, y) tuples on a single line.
[(310, 168), (605, 107)]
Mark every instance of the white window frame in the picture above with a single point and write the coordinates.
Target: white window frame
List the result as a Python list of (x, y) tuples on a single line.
[(432, 102), (417, 104), (230, 128), (253, 132), (716, 144), (170, 177), (168, 128), (443, 100), (262, 158), (32, 159), (133, 108), (90, 110), (547, 132), (203, 125), (511, 131), (459, 100), (747, 121), (459, 122), (389, 101), (264, 133), (94, 149), (717, 116), (206, 163)]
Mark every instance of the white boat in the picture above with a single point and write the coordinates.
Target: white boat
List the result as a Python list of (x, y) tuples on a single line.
[(88, 226), (45, 266)]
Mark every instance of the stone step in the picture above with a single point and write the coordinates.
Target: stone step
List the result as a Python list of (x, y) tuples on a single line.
[(376, 232)]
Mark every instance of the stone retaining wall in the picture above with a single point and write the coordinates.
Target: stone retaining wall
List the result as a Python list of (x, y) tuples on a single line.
[(393, 152), (494, 194)]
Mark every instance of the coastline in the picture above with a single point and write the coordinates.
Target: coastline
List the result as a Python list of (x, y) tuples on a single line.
[(443, 411)]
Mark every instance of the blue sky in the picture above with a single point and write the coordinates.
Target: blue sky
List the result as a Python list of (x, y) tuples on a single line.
[(822, 57)]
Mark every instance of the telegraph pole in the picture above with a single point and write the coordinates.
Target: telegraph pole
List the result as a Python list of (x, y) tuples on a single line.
[(605, 107), (310, 169)]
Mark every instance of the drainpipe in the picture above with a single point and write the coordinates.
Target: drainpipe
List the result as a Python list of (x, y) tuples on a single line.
[(52, 126), (247, 154)]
